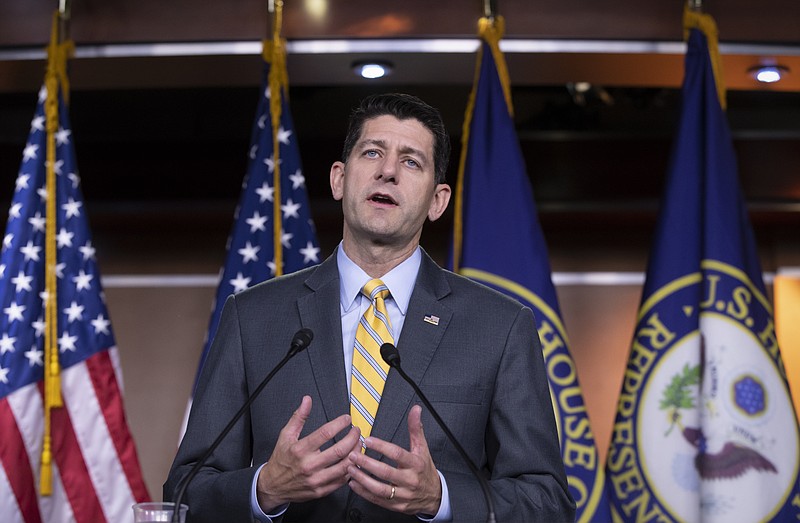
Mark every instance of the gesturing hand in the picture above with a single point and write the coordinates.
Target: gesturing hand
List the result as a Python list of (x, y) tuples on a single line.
[(297, 469), (412, 487)]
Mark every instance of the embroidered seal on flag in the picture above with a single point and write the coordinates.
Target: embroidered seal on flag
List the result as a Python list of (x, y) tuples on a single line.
[(710, 416)]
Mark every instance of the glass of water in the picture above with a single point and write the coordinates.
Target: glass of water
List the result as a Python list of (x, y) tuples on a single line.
[(157, 511)]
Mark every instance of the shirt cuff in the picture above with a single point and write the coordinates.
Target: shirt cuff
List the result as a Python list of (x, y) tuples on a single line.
[(445, 513), (276, 512)]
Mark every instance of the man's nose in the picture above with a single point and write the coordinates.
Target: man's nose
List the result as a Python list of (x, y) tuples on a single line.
[(388, 168)]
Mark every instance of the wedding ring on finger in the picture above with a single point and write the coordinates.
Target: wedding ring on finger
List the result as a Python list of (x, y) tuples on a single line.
[(391, 496)]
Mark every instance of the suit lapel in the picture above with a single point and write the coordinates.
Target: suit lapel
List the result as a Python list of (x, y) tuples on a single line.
[(320, 311), (417, 345)]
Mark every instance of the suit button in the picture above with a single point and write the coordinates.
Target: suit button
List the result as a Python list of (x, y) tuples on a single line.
[(355, 515)]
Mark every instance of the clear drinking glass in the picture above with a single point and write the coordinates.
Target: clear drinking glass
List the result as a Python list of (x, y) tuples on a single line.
[(157, 511)]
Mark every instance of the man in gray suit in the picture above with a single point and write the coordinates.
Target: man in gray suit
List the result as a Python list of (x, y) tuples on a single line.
[(474, 352)]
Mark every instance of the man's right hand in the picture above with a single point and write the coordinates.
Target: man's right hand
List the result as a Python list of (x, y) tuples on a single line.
[(297, 469)]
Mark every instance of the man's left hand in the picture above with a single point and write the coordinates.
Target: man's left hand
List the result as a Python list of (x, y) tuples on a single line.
[(412, 486)]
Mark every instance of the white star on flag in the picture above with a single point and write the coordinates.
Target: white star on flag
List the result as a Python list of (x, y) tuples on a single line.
[(35, 356), (298, 180), (38, 123), (22, 181), (74, 312), (14, 312), (273, 267), (100, 324), (30, 251), (265, 192), (249, 252), (286, 238), (290, 209), (270, 163), (240, 283), (67, 342), (256, 222), (310, 253), (88, 251), (57, 166), (38, 326), (72, 208), (4, 375), (82, 280), (22, 282), (13, 211), (283, 136), (7, 344), (62, 136), (38, 222), (29, 152), (64, 238)]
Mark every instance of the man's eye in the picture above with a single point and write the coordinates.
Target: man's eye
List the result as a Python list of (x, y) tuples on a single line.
[(412, 163), (371, 154)]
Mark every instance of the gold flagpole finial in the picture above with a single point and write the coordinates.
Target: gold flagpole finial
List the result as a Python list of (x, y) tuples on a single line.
[(64, 14), (490, 9)]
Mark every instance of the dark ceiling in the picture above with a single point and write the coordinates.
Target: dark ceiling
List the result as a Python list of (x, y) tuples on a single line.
[(158, 126)]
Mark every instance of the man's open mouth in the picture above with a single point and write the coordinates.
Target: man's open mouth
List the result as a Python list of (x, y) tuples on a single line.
[(383, 198)]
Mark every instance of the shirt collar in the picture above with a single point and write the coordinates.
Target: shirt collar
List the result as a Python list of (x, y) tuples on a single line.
[(399, 280)]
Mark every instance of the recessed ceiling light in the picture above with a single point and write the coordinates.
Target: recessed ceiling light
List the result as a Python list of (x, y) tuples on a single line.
[(372, 70), (768, 74), (583, 87)]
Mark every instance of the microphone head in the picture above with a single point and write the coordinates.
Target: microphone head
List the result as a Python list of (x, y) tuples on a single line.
[(390, 354), (302, 339)]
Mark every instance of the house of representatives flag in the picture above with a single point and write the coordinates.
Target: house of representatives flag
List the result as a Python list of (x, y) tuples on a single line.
[(93, 473), (261, 232), (498, 241), (705, 428)]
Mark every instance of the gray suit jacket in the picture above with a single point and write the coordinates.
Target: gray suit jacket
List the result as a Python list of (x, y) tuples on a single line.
[(481, 367)]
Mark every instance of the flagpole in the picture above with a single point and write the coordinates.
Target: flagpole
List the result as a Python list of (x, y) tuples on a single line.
[(277, 80), (56, 69)]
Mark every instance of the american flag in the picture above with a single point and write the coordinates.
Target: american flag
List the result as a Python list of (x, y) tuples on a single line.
[(251, 254), (96, 472)]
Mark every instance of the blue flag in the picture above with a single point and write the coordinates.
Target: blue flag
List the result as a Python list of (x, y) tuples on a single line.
[(251, 254), (502, 246), (705, 428), (93, 470)]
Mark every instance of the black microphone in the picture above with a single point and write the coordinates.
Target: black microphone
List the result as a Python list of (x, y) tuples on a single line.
[(391, 355), (300, 341)]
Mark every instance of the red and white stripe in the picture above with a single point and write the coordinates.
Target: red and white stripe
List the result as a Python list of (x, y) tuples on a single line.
[(96, 472)]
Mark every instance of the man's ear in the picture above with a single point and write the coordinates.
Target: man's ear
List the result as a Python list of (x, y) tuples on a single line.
[(337, 180), (441, 197)]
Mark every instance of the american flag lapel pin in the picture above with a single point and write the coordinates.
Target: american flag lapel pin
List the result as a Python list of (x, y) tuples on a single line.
[(430, 318)]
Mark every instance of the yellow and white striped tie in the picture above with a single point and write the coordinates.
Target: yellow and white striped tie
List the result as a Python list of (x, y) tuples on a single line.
[(369, 370)]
